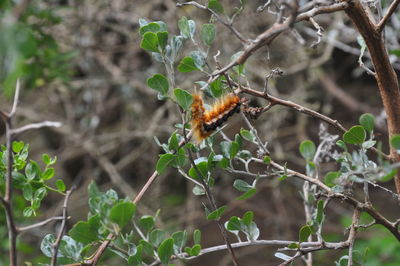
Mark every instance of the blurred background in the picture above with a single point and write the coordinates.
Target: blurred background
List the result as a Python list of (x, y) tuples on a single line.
[(80, 64)]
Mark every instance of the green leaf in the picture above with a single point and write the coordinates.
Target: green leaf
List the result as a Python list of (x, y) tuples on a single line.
[(395, 52), (341, 144), (202, 167), (247, 135), (304, 233), (307, 149), (165, 250), (183, 26), (197, 236), (83, 232), (60, 185), (46, 159), (215, 215), (248, 218), (207, 34), (294, 245), (17, 146), (30, 171), (355, 135), (330, 177), (28, 212), (48, 174), (242, 185), (195, 251), (215, 88), (252, 231), (395, 142), (156, 237), (184, 98), (150, 27), (173, 143), (180, 239), (233, 150), (234, 224), (187, 64), (389, 176), (367, 121), (27, 192), (162, 37), (164, 161), (146, 222), (121, 213), (267, 159), (199, 58), (247, 194), (159, 83), (40, 193), (320, 212), (150, 42), (216, 6), (136, 259), (147, 248)]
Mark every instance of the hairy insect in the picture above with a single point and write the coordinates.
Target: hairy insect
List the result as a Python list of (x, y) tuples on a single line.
[(205, 122)]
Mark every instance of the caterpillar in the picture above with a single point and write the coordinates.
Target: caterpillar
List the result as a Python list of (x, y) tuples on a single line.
[(205, 122)]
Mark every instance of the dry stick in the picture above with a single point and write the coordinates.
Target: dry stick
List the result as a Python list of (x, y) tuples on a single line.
[(352, 235), (304, 247), (62, 229), (218, 17), (39, 224), (384, 73), (7, 200), (368, 208), (389, 13), (277, 101)]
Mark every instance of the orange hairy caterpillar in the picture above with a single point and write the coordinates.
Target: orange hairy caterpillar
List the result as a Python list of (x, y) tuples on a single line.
[(205, 122)]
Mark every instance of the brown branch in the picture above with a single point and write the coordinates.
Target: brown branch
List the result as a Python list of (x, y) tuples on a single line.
[(389, 13), (21, 229), (384, 73), (302, 109), (263, 39), (218, 17), (7, 200), (322, 10), (56, 244), (368, 208)]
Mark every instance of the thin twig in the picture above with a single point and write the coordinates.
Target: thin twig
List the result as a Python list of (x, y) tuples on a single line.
[(7, 200), (218, 17), (56, 244), (352, 235), (388, 14), (209, 195), (36, 126), (39, 224)]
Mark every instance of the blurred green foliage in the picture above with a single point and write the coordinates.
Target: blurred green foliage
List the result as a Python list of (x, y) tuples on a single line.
[(27, 49)]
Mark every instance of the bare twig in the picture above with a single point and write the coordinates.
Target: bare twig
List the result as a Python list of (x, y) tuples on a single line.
[(302, 109), (36, 126), (219, 18), (56, 244), (7, 200), (390, 11), (39, 224), (352, 235)]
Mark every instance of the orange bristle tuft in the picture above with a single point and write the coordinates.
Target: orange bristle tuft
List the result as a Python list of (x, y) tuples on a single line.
[(205, 122)]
